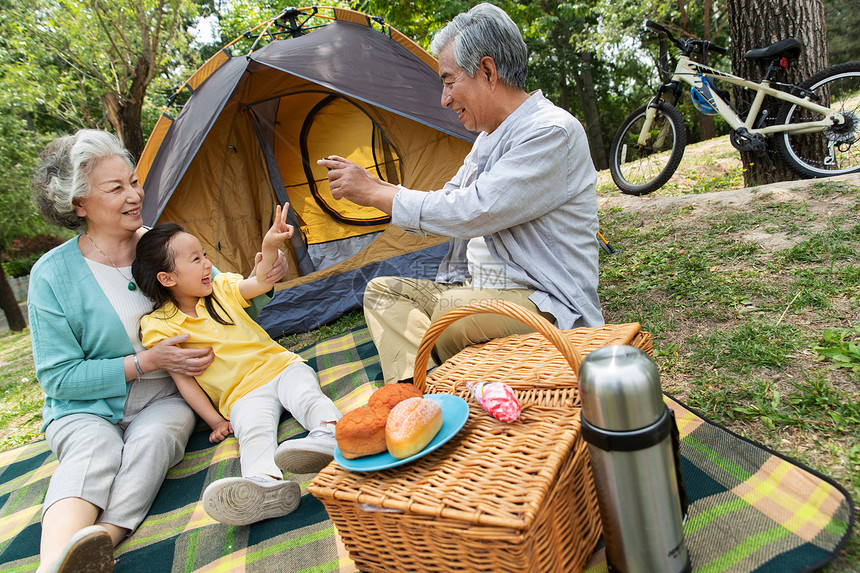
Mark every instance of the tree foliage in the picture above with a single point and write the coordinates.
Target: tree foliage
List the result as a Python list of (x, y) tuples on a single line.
[(17, 162), (19, 217), (843, 22), (89, 63)]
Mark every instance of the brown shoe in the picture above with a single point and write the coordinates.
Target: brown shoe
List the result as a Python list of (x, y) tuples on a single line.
[(90, 550)]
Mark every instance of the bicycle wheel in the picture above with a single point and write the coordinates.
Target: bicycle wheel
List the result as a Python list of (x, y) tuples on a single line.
[(641, 169), (835, 150)]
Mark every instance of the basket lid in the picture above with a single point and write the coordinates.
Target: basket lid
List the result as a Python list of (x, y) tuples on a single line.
[(491, 474)]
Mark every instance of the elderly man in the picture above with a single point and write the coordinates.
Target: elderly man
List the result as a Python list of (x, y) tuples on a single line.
[(521, 212)]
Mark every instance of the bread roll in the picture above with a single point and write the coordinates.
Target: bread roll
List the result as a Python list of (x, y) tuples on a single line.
[(361, 432), (412, 424), (392, 394)]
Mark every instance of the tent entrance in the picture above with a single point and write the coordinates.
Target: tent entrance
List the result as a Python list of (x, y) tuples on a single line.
[(331, 124), (243, 142), (359, 139)]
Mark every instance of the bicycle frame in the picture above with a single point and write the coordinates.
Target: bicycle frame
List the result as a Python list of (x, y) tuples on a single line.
[(812, 126), (693, 73)]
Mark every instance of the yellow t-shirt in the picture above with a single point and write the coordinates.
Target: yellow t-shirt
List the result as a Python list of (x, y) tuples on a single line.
[(246, 357)]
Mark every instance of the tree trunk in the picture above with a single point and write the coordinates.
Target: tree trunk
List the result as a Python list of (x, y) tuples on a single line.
[(125, 118), (590, 114), (564, 90), (707, 127), (759, 23), (125, 111), (10, 307)]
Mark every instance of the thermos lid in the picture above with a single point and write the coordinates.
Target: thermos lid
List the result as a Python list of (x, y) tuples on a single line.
[(620, 389)]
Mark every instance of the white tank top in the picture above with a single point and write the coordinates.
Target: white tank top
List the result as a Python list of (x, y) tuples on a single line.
[(486, 271)]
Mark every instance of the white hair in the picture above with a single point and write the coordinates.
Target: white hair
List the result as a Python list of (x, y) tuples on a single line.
[(486, 30), (63, 177)]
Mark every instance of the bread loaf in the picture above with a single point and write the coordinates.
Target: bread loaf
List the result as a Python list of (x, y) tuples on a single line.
[(361, 432), (392, 394), (412, 424)]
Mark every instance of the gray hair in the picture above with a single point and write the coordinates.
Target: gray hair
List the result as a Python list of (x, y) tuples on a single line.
[(63, 177), (486, 30)]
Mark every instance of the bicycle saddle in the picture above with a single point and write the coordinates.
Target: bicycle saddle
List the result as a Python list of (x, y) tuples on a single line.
[(790, 48)]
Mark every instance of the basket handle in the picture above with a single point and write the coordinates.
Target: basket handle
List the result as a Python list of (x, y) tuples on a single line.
[(504, 308)]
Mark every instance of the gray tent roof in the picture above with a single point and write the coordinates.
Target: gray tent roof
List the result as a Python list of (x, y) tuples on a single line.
[(351, 59)]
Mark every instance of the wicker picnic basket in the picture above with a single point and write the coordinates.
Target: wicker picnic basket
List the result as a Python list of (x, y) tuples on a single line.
[(499, 496)]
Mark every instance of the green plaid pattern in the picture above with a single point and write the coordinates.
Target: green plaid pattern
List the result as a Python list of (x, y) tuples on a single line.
[(178, 536), (750, 509)]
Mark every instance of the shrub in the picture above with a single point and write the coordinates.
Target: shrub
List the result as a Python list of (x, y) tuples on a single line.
[(35, 245), (23, 253), (20, 266)]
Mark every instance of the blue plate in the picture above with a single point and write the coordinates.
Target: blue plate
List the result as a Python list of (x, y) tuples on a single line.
[(455, 412)]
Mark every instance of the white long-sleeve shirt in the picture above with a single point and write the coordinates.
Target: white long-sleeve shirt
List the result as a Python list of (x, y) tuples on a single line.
[(528, 188)]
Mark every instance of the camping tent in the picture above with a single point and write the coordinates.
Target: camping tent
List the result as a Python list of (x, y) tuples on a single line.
[(250, 133)]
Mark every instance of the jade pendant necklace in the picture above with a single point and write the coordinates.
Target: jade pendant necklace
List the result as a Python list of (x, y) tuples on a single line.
[(131, 285)]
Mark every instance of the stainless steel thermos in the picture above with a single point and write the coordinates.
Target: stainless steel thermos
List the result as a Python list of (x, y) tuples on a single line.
[(632, 441)]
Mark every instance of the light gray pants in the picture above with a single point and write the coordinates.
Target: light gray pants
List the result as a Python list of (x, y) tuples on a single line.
[(255, 416), (120, 467)]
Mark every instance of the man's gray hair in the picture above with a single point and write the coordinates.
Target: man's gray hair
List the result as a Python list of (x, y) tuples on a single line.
[(63, 177), (486, 30)]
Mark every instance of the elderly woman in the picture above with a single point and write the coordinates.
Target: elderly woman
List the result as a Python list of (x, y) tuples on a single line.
[(112, 414)]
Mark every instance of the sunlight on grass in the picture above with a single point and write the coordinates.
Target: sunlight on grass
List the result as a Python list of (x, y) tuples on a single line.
[(21, 397), (707, 166)]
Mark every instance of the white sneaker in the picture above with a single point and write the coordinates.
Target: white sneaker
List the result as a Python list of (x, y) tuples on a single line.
[(242, 501), (90, 550), (307, 455)]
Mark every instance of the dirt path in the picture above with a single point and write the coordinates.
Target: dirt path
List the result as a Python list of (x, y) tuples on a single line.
[(651, 207)]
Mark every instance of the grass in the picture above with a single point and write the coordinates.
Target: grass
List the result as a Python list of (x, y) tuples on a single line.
[(754, 311), (20, 396), (759, 335)]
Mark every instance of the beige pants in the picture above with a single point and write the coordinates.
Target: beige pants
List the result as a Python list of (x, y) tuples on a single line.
[(399, 310)]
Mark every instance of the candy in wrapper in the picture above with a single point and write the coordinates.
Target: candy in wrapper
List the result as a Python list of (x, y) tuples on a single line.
[(497, 399)]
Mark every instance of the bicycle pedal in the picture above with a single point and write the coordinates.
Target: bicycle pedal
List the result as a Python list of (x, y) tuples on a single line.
[(762, 152)]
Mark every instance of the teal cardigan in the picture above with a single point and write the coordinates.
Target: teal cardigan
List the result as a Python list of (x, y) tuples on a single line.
[(78, 339)]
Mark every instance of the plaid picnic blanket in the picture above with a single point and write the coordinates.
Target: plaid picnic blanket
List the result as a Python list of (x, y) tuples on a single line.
[(751, 509), (178, 535)]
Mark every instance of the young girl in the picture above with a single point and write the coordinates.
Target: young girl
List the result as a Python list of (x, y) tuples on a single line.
[(252, 379)]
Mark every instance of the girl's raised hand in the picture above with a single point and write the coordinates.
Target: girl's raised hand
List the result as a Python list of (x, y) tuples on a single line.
[(280, 231)]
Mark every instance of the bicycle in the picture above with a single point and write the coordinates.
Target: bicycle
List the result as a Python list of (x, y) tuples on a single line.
[(816, 129)]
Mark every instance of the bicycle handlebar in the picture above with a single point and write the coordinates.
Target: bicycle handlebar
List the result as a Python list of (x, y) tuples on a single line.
[(715, 48), (686, 46), (660, 28)]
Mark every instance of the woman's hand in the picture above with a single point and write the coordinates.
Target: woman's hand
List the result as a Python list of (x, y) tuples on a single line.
[(220, 432), (170, 356)]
